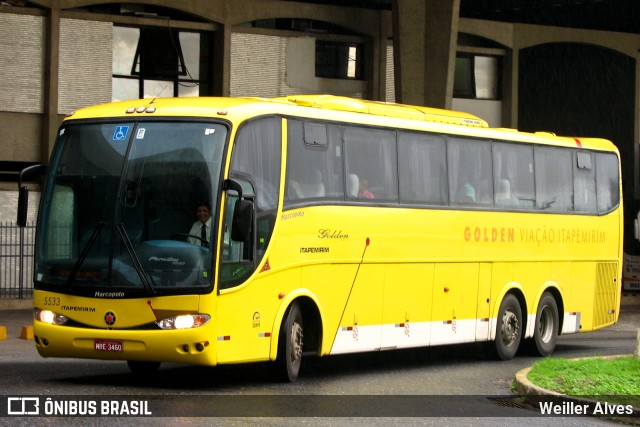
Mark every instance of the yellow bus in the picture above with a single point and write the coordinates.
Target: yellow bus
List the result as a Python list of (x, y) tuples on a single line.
[(337, 225)]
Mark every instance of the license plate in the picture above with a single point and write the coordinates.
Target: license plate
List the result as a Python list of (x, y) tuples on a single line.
[(108, 345)]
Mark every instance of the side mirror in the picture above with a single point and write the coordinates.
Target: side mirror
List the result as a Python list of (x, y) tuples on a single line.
[(23, 206), (23, 191), (242, 221)]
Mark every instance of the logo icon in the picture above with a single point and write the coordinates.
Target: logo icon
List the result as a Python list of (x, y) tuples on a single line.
[(23, 406), (120, 133), (110, 318)]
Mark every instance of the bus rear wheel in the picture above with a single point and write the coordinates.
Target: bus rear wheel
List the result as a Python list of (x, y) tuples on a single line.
[(547, 324), (508, 328), (290, 343)]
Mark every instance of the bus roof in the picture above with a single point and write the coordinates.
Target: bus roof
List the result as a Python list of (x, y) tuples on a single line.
[(247, 106), (376, 108), (205, 106)]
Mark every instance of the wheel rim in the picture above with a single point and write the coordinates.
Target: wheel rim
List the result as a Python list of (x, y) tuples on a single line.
[(510, 327), (296, 342), (545, 325)]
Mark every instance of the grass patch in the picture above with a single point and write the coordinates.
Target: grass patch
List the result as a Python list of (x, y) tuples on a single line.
[(617, 379)]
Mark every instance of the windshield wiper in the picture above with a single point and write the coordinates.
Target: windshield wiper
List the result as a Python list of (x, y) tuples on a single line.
[(85, 251), (144, 277)]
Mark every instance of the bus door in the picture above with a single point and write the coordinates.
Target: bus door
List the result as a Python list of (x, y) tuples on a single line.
[(483, 313)]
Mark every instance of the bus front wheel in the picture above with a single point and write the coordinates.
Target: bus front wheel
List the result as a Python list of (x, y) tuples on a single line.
[(142, 368), (290, 342), (508, 328), (547, 324)]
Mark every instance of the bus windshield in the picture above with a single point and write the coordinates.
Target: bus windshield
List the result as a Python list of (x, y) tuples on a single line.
[(119, 204)]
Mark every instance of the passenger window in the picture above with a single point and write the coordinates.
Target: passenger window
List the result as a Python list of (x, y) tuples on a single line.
[(554, 181), (423, 175), (314, 162), (608, 187), (371, 162), (470, 172), (513, 176), (584, 183)]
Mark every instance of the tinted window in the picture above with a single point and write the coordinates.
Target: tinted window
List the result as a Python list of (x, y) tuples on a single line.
[(584, 183), (470, 172), (256, 157), (371, 163), (607, 181), (423, 175), (256, 154), (314, 162), (554, 181), (513, 175)]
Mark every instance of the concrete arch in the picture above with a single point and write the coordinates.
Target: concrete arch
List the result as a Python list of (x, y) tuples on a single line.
[(498, 32), (212, 10), (522, 36), (526, 36), (357, 20)]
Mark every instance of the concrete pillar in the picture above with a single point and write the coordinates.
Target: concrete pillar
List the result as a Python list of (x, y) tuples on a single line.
[(50, 117), (221, 70), (425, 40), (510, 90)]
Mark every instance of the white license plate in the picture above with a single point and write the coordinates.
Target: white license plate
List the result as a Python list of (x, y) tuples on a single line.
[(108, 345)]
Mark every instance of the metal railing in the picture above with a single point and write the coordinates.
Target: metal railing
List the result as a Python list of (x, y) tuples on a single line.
[(16, 260)]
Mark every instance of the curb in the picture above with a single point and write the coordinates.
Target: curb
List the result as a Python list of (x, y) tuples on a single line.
[(16, 304), (536, 395)]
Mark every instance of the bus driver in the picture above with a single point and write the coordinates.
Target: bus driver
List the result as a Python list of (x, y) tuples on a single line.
[(202, 227)]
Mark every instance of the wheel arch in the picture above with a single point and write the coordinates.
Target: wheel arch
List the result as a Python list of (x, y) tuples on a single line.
[(312, 321)]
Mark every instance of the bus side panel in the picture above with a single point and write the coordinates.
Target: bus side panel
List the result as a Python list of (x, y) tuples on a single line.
[(455, 302), (246, 316), (579, 297), (407, 305), (360, 327), (331, 285)]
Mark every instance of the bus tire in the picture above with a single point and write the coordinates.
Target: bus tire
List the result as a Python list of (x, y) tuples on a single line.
[(547, 324), (142, 368), (508, 328), (290, 343)]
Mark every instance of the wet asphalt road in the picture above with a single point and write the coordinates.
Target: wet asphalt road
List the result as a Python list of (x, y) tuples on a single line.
[(452, 385)]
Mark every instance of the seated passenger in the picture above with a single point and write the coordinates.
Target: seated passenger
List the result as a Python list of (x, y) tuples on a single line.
[(466, 194), (364, 192)]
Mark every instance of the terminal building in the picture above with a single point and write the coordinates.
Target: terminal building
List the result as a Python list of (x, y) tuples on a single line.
[(565, 66)]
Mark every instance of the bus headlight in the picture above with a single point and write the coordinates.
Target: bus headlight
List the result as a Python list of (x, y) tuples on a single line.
[(47, 316), (185, 321)]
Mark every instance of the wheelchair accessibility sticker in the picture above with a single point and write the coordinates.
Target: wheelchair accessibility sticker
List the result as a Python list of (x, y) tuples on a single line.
[(120, 134)]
